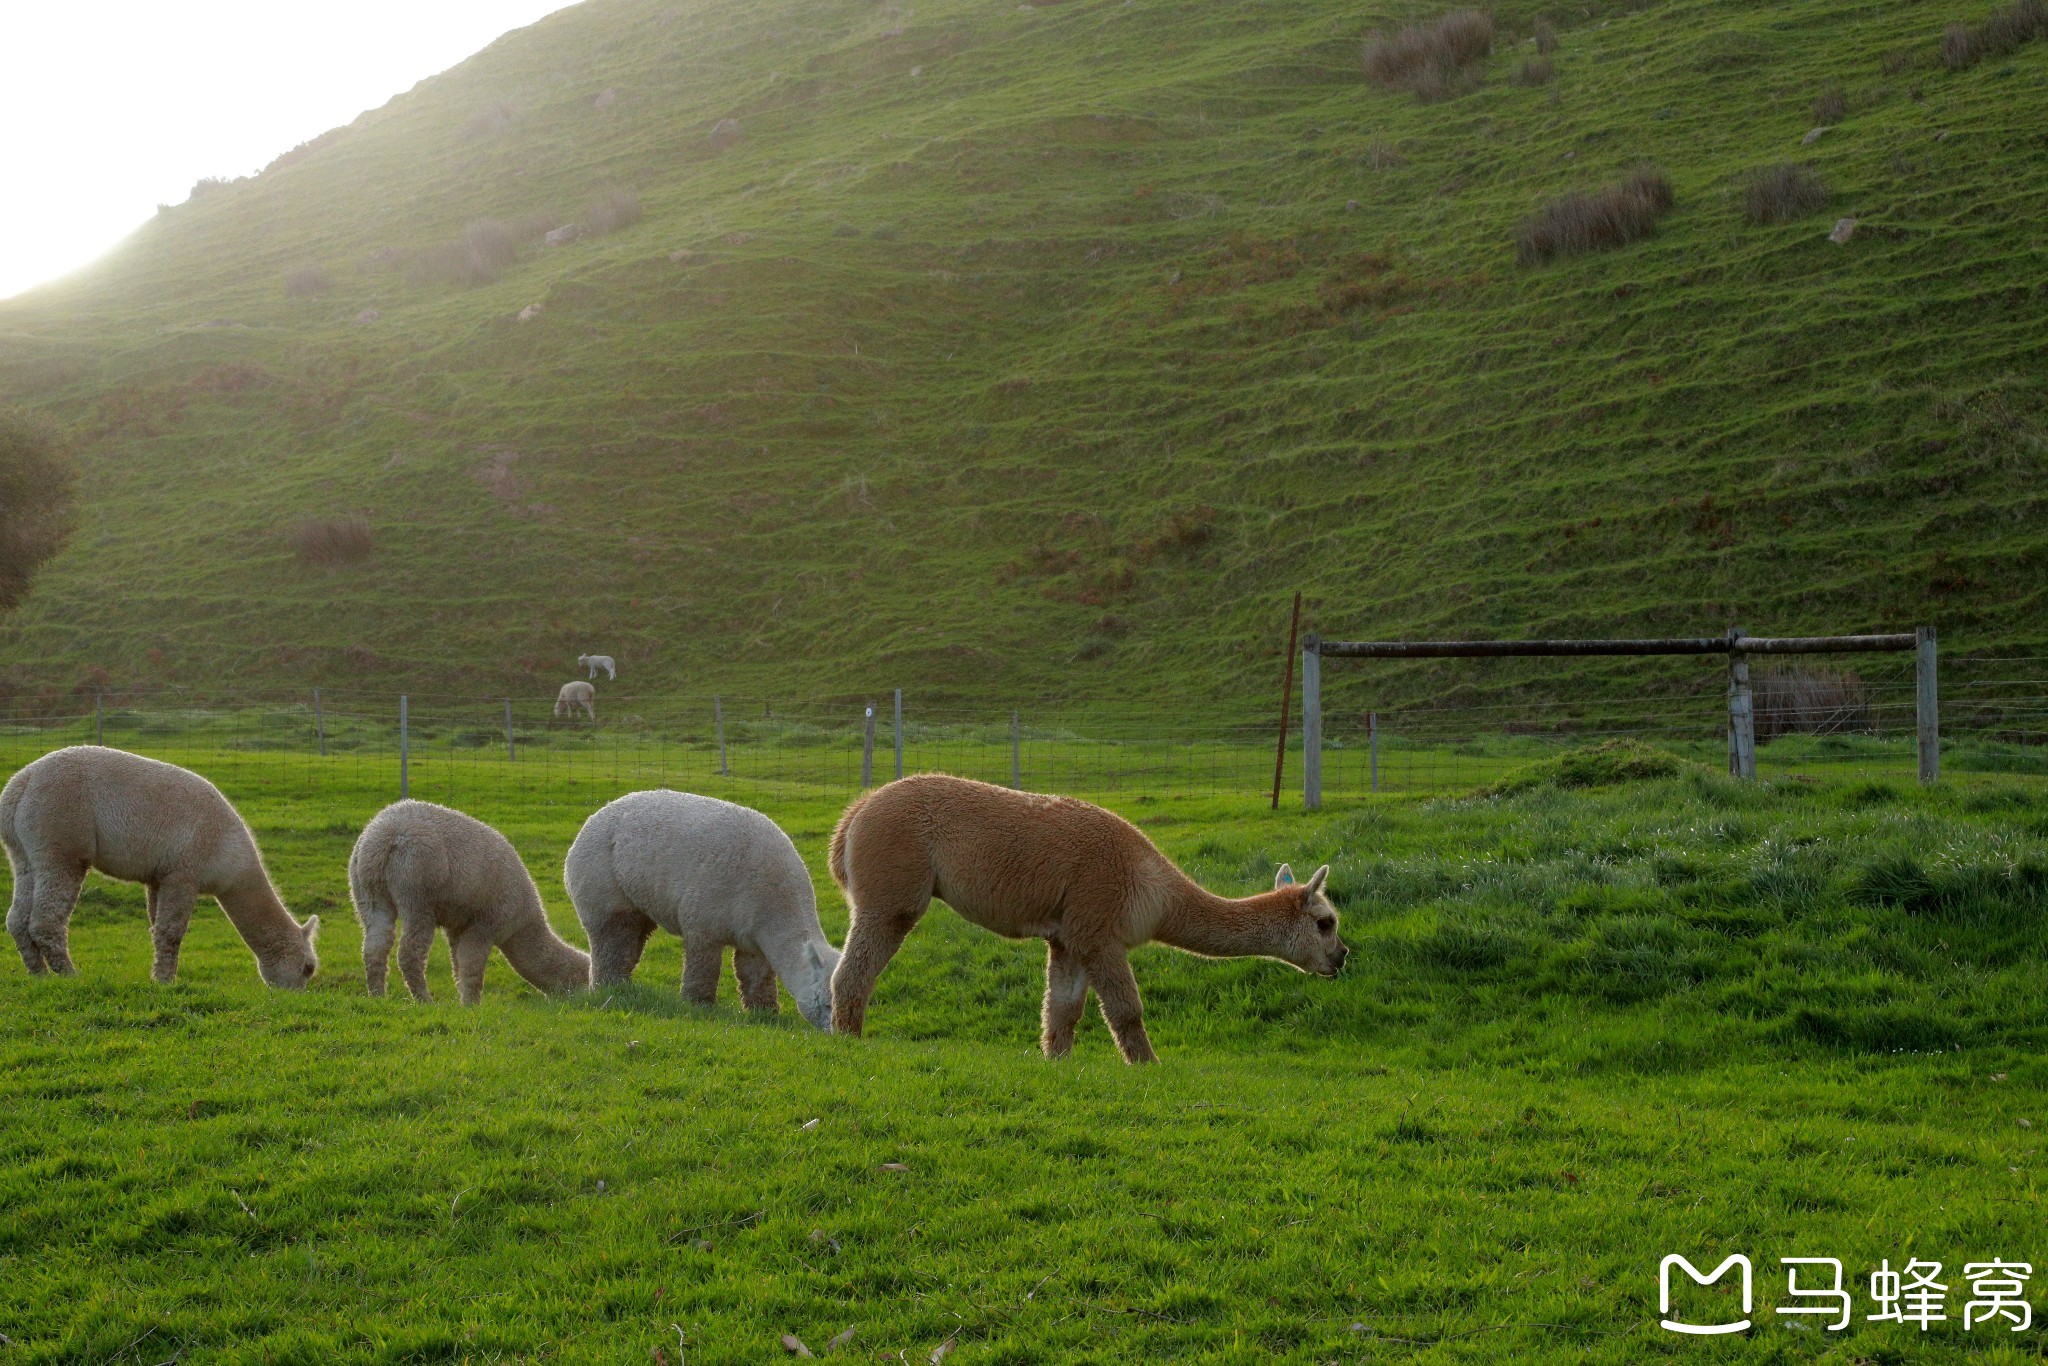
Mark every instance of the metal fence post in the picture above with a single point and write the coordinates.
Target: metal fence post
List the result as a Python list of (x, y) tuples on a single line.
[(1016, 755), (899, 732), (404, 751), (1926, 708), (867, 750), (1312, 722), (319, 723), (511, 746), (718, 714), (1372, 746), (1741, 710), (99, 729)]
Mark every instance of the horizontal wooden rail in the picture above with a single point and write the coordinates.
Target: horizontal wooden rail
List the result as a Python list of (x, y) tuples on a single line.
[(1707, 645)]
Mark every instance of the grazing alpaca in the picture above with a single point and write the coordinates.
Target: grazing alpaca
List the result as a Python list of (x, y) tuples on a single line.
[(596, 662), (576, 694), (422, 866), (1033, 867), (141, 821), (714, 874)]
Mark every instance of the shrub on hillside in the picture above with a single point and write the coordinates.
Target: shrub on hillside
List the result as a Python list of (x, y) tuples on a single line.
[(1593, 220), (1546, 37), (477, 257), (491, 121), (1431, 59), (1831, 106), (2006, 31), (1781, 193), (303, 282), (611, 211), (1536, 71), (1809, 702), (37, 487), (1601, 765), (330, 542)]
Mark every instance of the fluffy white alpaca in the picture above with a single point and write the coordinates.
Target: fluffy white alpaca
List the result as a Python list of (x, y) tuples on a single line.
[(714, 874), (141, 821), (596, 662), (422, 866), (576, 694)]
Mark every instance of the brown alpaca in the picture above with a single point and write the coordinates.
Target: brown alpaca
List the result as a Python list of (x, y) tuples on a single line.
[(1083, 879)]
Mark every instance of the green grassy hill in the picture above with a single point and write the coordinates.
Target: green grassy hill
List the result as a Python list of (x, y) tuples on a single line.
[(1015, 353)]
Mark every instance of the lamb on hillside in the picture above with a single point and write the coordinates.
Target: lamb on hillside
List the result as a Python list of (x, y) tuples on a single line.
[(714, 874), (419, 866), (1081, 878), (596, 662), (576, 694), (142, 821)]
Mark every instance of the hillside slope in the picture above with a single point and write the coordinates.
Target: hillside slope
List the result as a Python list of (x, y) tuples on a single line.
[(1015, 353)]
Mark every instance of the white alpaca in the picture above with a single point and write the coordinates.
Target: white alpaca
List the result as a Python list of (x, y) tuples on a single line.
[(714, 874), (422, 866), (596, 662), (574, 695), (141, 821)]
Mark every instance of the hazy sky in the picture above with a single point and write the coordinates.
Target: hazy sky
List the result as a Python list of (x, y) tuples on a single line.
[(109, 109)]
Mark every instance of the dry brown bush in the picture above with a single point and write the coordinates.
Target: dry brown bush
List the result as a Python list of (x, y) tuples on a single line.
[(303, 282), (2004, 32), (1831, 106), (610, 211), (1809, 702), (330, 542), (1536, 71), (1781, 193), (1592, 220), (477, 257), (1431, 59), (491, 121), (1546, 37)]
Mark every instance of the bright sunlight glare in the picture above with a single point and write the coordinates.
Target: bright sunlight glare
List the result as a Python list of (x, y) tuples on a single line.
[(111, 109)]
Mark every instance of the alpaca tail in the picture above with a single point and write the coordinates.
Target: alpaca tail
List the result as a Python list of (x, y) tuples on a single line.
[(836, 858), (547, 960)]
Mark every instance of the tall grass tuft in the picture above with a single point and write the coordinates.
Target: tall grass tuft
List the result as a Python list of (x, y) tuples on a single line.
[(1830, 106), (1594, 220), (477, 257), (1431, 59), (1536, 71), (2003, 33), (1809, 702), (611, 211), (1781, 193), (1546, 37), (304, 282), (331, 542)]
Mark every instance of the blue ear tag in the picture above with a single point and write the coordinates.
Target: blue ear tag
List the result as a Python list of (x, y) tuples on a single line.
[(1287, 880)]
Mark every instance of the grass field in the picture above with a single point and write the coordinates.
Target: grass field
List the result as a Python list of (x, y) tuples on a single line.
[(1040, 352), (1580, 1030)]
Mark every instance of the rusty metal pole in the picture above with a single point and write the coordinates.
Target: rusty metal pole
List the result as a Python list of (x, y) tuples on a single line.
[(1286, 700)]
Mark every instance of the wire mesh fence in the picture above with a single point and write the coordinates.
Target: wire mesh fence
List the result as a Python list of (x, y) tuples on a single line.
[(471, 751)]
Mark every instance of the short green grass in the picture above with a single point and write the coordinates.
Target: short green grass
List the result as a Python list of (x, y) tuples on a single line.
[(1027, 353), (1582, 1029)]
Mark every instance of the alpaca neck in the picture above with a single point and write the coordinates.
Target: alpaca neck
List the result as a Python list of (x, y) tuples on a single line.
[(547, 960), (260, 917), (1199, 921)]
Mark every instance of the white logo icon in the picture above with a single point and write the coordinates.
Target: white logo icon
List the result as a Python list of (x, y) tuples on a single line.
[(1702, 1329)]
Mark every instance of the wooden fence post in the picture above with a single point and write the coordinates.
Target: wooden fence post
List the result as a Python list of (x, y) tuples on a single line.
[(404, 751), (1372, 746), (1286, 700), (1926, 706), (1016, 755), (718, 715), (1312, 722), (899, 732), (867, 750), (1741, 710), (319, 723), (99, 729), (511, 746)]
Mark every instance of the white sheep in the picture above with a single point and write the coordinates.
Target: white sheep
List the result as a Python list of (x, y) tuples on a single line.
[(422, 866), (714, 874), (576, 694), (596, 662), (142, 821)]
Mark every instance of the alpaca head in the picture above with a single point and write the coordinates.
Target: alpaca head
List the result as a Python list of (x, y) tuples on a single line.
[(814, 997), (292, 965), (1309, 932)]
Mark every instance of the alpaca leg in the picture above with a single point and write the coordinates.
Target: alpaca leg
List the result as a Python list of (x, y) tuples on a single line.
[(616, 943), (149, 902), (174, 899), (415, 942), (1116, 990), (49, 922), (1066, 996), (21, 910), (701, 960), (870, 943), (757, 981), (379, 934), (471, 951)]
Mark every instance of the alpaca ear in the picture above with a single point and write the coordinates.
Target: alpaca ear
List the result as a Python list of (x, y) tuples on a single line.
[(310, 930), (1283, 877), (1317, 879)]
